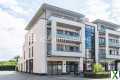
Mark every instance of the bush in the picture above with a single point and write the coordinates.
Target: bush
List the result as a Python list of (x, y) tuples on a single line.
[(97, 75), (97, 68), (98, 72)]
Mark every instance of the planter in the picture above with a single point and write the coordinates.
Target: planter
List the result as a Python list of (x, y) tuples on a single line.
[(97, 75)]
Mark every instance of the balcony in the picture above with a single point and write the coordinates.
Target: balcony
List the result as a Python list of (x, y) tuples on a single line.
[(113, 55), (101, 44), (114, 44), (68, 37)]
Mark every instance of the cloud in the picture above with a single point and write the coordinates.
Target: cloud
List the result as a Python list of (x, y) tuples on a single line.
[(15, 14), (11, 35), (93, 9), (115, 11), (3, 1), (97, 9)]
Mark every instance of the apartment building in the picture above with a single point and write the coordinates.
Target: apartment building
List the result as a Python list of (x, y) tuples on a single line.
[(61, 41), (109, 44)]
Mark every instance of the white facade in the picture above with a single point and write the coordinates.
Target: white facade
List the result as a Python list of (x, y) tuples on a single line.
[(56, 43), (109, 40)]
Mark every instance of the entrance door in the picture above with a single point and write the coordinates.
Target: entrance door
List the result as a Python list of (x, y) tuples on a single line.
[(30, 65), (72, 67), (27, 66), (54, 67), (118, 66)]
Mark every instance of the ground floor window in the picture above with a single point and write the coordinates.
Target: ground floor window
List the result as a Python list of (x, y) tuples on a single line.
[(54, 67), (71, 67)]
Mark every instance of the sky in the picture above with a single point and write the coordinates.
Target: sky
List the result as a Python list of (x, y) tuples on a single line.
[(16, 14)]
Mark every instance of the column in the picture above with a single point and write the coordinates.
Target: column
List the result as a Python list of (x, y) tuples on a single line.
[(83, 40), (53, 36), (64, 66), (107, 43), (109, 66), (96, 45), (81, 65)]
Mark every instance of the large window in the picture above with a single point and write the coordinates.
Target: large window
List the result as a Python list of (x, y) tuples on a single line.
[(68, 48), (59, 31), (60, 47), (102, 28), (49, 48), (101, 53), (90, 40), (48, 31), (32, 51), (68, 33), (89, 37), (114, 51), (101, 41)]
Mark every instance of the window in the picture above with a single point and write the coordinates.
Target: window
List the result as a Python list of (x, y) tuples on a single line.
[(117, 52), (49, 23), (32, 51), (110, 52), (76, 34), (48, 31), (49, 47), (102, 41), (71, 33), (59, 31), (71, 48), (60, 47), (102, 53), (89, 36), (102, 28), (114, 51), (29, 39), (29, 52), (76, 49), (67, 33), (67, 48), (24, 54), (32, 38)]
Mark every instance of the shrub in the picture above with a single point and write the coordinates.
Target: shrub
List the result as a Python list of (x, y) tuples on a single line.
[(97, 68), (97, 75), (98, 72)]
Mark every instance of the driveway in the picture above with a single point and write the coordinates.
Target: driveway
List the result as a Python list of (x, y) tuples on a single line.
[(23, 76)]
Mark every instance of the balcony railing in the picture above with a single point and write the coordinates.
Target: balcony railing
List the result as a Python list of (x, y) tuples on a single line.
[(101, 44), (70, 51), (114, 44), (68, 37)]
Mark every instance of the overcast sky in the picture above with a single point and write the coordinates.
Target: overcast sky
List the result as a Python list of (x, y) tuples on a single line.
[(15, 15)]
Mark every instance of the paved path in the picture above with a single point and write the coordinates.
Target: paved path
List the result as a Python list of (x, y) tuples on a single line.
[(24, 76)]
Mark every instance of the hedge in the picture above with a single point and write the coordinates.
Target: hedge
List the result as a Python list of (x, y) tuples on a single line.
[(97, 75)]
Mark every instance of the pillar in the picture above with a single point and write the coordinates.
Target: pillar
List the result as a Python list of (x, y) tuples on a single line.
[(81, 65), (64, 67), (109, 66)]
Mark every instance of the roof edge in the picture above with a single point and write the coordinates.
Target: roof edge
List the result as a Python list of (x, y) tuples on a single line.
[(39, 12)]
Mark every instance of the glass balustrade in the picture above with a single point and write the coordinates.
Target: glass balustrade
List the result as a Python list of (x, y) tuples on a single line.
[(68, 37), (114, 44), (102, 44)]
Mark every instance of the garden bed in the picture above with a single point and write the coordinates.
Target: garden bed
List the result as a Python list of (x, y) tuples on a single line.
[(96, 75)]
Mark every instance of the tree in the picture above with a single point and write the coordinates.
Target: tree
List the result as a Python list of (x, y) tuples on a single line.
[(16, 58)]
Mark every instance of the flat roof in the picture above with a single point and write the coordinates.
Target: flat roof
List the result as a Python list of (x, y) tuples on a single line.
[(54, 8), (107, 23)]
